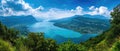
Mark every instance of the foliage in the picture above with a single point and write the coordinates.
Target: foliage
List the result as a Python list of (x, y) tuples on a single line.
[(32, 42), (116, 46), (68, 46), (5, 46), (37, 42), (109, 40)]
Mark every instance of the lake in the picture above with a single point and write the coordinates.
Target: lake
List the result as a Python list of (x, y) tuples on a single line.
[(59, 34)]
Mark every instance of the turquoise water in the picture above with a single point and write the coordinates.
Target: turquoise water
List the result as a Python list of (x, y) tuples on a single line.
[(57, 33)]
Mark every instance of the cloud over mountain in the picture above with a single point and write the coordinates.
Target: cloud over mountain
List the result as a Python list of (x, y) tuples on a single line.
[(99, 11), (20, 7)]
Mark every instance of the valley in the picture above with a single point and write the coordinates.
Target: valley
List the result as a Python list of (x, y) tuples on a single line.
[(59, 34), (59, 25), (77, 28)]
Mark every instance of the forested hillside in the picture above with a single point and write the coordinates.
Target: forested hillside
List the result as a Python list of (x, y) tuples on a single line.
[(11, 41), (109, 40), (84, 24)]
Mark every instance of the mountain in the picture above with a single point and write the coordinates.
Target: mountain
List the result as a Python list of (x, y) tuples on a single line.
[(17, 20), (108, 40), (85, 24), (96, 16)]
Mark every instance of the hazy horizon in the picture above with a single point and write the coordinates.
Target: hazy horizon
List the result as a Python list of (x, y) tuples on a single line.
[(53, 9)]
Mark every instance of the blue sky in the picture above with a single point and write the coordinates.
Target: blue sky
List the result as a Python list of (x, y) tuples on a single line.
[(70, 4), (56, 9)]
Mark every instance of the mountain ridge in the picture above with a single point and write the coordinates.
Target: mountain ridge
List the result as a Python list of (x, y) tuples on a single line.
[(84, 25), (17, 20)]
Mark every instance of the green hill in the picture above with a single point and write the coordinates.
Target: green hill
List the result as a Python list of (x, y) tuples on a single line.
[(109, 40), (84, 24)]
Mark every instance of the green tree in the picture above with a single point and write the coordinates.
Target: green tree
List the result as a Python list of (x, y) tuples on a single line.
[(8, 33), (37, 42), (116, 15), (6, 46), (68, 46), (116, 47), (20, 44)]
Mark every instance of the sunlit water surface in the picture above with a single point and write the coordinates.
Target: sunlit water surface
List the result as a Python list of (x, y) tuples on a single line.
[(59, 34)]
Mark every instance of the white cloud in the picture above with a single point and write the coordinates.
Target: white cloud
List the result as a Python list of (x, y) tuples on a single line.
[(24, 4), (3, 1), (92, 8), (53, 13), (40, 8), (99, 11)]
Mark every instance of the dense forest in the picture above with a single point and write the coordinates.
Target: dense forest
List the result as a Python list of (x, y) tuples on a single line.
[(10, 40)]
